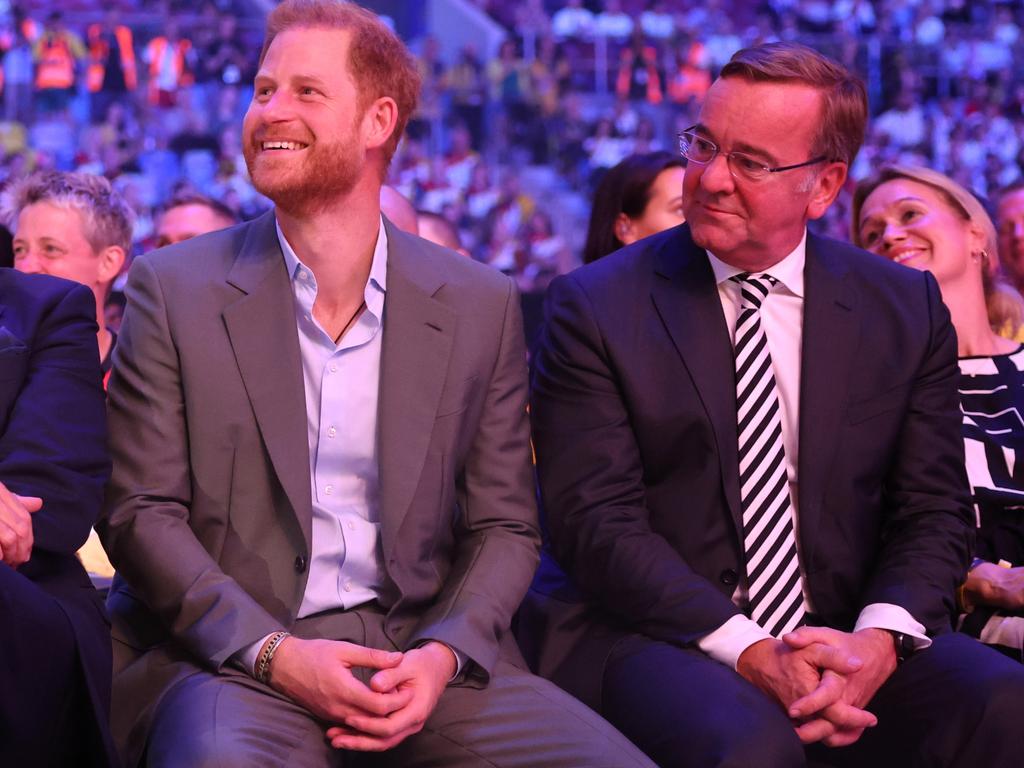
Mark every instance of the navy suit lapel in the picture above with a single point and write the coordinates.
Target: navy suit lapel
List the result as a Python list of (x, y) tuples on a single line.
[(830, 338), (261, 327), (686, 298)]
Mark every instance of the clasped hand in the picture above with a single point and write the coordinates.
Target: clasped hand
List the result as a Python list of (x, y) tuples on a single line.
[(397, 702), (823, 678), (16, 538)]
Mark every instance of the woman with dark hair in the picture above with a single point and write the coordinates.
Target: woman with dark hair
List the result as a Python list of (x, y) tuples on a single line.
[(639, 197)]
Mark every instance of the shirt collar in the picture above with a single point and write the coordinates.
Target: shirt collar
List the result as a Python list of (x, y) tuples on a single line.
[(378, 267), (789, 271)]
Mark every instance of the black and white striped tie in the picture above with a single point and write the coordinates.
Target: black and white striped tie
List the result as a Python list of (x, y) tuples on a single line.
[(769, 542)]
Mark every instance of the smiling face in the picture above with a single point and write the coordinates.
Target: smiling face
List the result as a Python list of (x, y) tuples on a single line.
[(915, 224), (754, 224), (50, 240), (303, 136)]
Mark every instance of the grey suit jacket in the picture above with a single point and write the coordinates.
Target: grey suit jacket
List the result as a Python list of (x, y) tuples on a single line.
[(208, 514)]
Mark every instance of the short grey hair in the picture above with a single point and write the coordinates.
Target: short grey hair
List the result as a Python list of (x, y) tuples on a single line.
[(107, 217)]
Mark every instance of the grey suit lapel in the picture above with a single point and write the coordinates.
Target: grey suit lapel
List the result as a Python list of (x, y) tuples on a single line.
[(830, 338), (687, 300), (261, 327), (418, 331)]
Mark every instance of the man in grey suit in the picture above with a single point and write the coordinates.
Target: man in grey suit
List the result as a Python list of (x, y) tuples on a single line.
[(322, 508)]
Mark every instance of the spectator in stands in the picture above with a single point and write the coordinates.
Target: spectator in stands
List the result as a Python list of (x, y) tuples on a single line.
[(398, 209), (171, 62), (55, 639), (17, 68), (438, 229), (112, 73), (190, 214), (1010, 217), (640, 196), (572, 21), (72, 225), (57, 53), (468, 84), (612, 22), (925, 220), (329, 586)]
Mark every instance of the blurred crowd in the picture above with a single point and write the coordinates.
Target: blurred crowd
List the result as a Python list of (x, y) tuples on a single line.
[(577, 86)]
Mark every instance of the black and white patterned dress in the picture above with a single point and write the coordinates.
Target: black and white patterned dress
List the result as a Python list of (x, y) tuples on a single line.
[(992, 400)]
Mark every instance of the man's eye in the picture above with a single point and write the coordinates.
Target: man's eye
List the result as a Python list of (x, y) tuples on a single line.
[(747, 164), (909, 215)]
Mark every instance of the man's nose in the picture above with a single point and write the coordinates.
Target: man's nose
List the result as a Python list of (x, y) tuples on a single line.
[(27, 262), (717, 176)]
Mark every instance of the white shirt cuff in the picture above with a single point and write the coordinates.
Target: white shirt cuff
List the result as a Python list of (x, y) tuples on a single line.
[(895, 619), (246, 658), (729, 641)]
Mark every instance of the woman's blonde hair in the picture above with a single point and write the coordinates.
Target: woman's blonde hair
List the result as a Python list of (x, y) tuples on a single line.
[(1004, 303)]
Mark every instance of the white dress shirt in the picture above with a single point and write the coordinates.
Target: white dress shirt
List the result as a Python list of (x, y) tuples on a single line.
[(782, 318)]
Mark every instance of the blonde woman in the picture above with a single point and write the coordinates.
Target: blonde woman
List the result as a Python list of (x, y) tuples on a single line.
[(925, 220)]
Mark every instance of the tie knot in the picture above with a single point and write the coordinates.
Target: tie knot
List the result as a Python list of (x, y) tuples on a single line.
[(754, 288)]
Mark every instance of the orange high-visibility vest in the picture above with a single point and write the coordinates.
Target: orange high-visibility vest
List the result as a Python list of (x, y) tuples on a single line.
[(56, 65), (99, 49), (156, 49), (624, 80)]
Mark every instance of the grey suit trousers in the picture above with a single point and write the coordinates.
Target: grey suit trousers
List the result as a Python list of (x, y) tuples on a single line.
[(230, 720)]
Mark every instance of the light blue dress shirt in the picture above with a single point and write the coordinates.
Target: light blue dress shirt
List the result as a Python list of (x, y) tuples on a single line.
[(342, 381)]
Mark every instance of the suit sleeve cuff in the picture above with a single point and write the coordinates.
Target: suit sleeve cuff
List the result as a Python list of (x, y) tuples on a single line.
[(895, 619), (727, 643), (245, 658)]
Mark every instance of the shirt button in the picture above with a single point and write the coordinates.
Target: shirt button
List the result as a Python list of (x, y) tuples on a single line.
[(334, 369), (351, 525), (300, 563), (328, 489), (729, 577), (332, 432), (303, 274), (348, 586)]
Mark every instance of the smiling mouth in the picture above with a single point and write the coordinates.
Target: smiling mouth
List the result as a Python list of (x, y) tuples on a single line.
[(282, 145), (906, 256)]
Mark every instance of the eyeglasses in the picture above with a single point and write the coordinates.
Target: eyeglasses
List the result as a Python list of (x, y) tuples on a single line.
[(698, 149)]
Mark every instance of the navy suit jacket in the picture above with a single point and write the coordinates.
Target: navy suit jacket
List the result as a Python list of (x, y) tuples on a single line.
[(634, 422), (53, 445)]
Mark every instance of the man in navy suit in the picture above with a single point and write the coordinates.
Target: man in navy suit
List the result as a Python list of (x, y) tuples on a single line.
[(748, 443), (54, 636)]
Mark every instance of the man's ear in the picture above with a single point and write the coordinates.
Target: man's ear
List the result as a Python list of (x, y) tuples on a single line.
[(112, 260), (380, 121), (826, 188)]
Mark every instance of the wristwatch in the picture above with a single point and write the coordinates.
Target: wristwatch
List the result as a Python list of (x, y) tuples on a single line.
[(905, 645)]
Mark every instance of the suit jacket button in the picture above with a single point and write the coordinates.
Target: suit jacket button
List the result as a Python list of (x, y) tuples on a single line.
[(729, 577), (300, 564)]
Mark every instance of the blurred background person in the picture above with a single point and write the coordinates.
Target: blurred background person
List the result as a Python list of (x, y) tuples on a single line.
[(925, 220), (189, 214), (72, 225), (640, 196), (1010, 217), (437, 229), (398, 209)]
